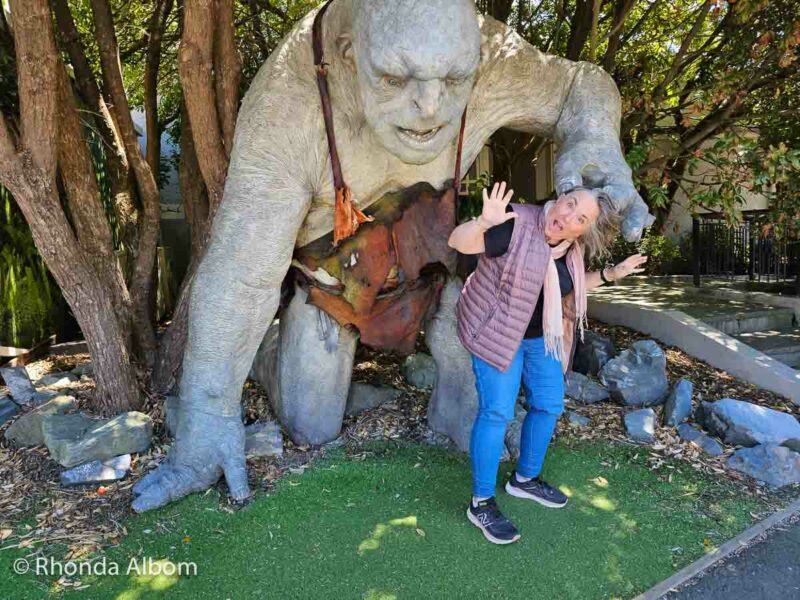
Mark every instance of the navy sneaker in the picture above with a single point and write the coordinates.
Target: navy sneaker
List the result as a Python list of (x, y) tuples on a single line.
[(488, 518), (536, 489)]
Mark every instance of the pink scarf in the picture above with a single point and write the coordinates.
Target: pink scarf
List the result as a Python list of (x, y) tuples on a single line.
[(552, 319)]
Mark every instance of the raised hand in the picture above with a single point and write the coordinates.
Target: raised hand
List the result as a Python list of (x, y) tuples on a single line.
[(632, 264), (494, 206)]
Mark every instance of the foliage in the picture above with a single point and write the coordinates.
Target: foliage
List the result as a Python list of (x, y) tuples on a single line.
[(29, 300), (665, 255)]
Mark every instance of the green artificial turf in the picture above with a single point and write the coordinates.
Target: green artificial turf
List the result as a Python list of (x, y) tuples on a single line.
[(393, 525)]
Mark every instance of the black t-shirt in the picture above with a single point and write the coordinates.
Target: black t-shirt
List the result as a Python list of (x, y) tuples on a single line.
[(496, 241)]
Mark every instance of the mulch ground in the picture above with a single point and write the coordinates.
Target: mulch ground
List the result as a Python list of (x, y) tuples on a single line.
[(38, 514)]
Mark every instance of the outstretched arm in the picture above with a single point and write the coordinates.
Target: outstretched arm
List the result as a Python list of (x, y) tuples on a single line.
[(575, 103)]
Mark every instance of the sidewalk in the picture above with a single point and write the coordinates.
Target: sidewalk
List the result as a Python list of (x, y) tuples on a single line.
[(767, 570)]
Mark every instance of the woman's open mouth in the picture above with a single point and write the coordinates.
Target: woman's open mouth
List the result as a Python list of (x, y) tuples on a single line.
[(557, 226), (418, 136)]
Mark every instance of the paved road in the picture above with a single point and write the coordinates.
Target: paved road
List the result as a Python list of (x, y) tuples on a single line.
[(769, 570)]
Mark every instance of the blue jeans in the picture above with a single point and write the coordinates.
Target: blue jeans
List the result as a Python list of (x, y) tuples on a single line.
[(543, 380)]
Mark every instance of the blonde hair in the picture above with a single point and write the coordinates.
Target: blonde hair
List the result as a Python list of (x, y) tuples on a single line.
[(604, 229)]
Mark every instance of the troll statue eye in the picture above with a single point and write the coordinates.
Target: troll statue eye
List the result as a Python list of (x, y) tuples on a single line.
[(392, 81)]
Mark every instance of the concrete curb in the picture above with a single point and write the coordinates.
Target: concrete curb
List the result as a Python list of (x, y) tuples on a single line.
[(699, 339), (702, 564)]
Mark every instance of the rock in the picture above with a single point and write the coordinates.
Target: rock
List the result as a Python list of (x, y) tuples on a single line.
[(263, 439), (793, 444), (577, 419), (679, 403), (420, 370), (514, 431), (592, 353), (43, 396), (97, 471), (708, 444), (8, 408), (86, 368), (773, 464), (57, 380), (641, 424), (364, 397), (648, 352), (746, 424), (171, 414), (75, 439), (19, 384), (638, 376), (582, 389), (27, 430)]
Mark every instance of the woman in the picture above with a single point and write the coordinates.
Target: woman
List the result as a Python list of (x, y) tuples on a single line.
[(517, 315)]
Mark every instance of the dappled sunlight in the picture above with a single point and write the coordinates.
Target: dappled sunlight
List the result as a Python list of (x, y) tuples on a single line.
[(154, 576), (566, 490), (373, 542), (373, 594), (603, 503)]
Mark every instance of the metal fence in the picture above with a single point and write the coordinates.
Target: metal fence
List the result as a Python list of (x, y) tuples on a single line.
[(743, 250)]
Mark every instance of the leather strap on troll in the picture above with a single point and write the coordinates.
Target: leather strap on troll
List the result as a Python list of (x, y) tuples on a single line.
[(346, 217)]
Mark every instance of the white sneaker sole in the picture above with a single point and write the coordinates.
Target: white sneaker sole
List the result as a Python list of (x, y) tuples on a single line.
[(474, 520), (510, 489)]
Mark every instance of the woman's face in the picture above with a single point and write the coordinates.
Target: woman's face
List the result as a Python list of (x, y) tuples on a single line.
[(571, 216)]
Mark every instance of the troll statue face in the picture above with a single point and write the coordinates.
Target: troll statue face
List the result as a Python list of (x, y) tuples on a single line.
[(414, 81)]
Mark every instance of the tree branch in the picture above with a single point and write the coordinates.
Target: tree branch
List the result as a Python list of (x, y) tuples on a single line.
[(158, 22)]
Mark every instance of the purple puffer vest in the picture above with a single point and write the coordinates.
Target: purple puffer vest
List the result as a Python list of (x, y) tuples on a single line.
[(498, 299)]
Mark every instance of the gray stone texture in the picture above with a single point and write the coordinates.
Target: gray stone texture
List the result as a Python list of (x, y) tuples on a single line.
[(578, 419), (263, 439), (84, 369), (690, 433), (582, 389), (773, 464), (97, 471), (592, 353), (40, 397), (75, 439), (57, 381), (514, 431), (8, 408), (746, 424), (27, 430), (454, 399), (19, 384), (678, 406), (419, 370), (641, 424), (364, 396), (638, 376)]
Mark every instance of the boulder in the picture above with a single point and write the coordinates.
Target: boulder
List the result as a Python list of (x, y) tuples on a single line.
[(263, 439), (577, 419), (8, 408), (97, 471), (641, 424), (514, 431), (43, 396), (638, 376), (364, 397), (706, 443), (746, 424), (57, 380), (678, 406), (75, 439), (86, 368), (419, 370), (582, 389), (19, 384), (27, 430), (592, 353), (773, 464)]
